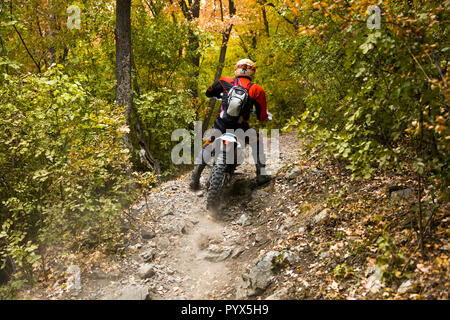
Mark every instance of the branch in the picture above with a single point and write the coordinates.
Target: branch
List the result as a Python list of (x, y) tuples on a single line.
[(420, 66), (280, 13), (185, 9), (23, 42)]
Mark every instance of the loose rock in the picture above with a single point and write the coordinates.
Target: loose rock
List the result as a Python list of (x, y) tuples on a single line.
[(259, 194), (244, 221), (147, 234), (321, 216), (133, 292), (258, 278), (401, 194), (406, 287), (199, 193), (237, 252), (148, 255), (215, 253), (281, 294), (293, 173), (146, 271), (373, 283), (74, 281)]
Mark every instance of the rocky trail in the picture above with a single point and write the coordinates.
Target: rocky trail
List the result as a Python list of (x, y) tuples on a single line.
[(294, 238), (178, 251)]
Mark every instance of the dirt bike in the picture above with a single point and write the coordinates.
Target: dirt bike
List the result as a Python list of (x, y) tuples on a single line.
[(223, 168), (222, 171)]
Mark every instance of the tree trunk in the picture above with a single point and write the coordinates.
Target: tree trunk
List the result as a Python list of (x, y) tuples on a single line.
[(190, 13), (124, 93), (223, 51), (146, 156), (266, 22)]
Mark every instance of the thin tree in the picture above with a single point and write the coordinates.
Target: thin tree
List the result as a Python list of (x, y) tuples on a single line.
[(124, 92), (223, 51), (191, 11)]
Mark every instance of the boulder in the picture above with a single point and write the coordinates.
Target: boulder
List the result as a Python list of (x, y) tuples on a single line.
[(256, 281)]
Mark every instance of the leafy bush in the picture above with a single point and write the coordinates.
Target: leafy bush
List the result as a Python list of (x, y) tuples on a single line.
[(374, 98), (163, 111), (63, 171)]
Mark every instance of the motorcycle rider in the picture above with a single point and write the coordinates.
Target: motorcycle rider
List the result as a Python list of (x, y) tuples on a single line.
[(244, 71)]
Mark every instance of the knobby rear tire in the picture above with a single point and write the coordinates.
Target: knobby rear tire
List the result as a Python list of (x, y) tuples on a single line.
[(215, 187)]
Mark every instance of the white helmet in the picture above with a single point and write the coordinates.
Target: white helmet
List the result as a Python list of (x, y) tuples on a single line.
[(245, 68)]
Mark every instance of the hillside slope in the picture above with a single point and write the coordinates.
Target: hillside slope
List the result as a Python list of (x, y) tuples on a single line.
[(312, 233)]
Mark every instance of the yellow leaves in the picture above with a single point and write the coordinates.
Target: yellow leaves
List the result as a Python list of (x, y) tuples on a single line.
[(442, 261), (440, 128), (307, 30), (390, 68)]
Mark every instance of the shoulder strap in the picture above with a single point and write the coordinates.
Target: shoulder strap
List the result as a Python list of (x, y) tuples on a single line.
[(240, 83)]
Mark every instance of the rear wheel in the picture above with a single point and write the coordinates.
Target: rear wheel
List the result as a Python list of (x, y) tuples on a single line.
[(217, 181)]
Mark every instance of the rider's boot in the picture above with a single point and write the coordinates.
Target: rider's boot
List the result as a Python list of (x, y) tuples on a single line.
[(261, 176), (195, 177)]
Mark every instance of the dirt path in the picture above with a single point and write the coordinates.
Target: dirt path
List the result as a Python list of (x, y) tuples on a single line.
[(306, 235), (179, 252)]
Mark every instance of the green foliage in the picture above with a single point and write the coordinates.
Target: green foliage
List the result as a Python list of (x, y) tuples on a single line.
[(62, 166), (10, 291), (279, 263), (366, 91), (390, 259), (342, 271), (157, 49), (164, 111)]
